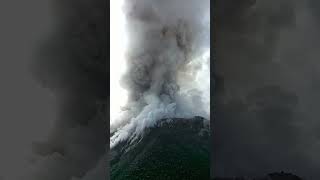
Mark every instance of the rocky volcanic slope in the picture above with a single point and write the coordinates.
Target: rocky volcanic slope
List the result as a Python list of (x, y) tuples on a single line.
[(175, 149)]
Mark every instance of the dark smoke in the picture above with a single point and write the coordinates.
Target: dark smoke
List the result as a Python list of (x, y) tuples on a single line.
[(72, 63), (267, 95)]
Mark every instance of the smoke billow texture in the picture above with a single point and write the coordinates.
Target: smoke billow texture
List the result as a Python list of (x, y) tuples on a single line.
[(167, 64), (71, 62), (267, 88)]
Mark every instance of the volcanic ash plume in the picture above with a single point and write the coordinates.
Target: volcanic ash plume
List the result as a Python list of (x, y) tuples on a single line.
[(167, 59)]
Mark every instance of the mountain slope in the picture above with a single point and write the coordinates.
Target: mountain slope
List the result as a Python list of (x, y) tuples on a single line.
[(173, 149)]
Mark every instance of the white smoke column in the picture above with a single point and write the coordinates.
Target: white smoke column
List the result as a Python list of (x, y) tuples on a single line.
[(167, 59)]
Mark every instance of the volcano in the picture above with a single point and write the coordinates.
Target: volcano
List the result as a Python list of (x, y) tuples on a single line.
[(176, 148)]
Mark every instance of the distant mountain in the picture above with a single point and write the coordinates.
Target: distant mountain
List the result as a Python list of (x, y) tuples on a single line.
[(175, 149)]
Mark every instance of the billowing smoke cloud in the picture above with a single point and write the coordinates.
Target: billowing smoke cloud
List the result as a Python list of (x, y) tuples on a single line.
[(167, 59), (71, 63), (267, 88)]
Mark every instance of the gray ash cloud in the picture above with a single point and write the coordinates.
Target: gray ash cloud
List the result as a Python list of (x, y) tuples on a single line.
[(267, 99), (165, 40), (72, 62)]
